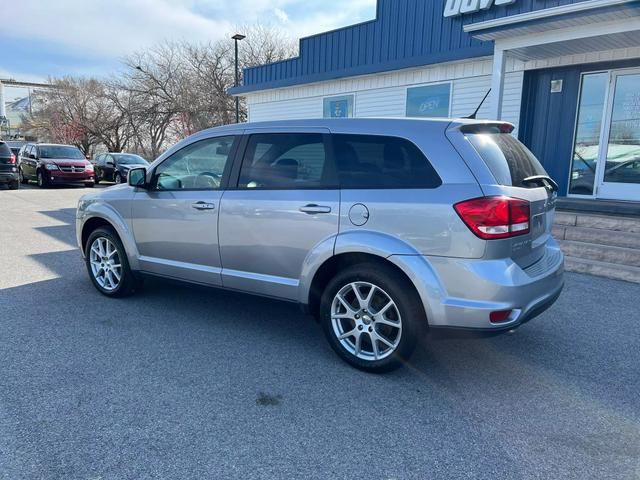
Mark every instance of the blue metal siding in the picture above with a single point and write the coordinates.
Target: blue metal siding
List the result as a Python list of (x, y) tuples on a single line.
[(547, 120), (406, 33)]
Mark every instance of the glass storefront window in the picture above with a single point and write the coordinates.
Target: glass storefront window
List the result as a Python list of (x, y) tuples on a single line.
[(338, 107), (587, 136), (623, 151), (429, 100)]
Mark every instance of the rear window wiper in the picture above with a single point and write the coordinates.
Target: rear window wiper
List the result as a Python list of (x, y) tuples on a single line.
[(543, 181)]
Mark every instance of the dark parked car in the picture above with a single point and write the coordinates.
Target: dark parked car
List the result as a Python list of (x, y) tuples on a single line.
[(8, 167), (51, 164), (114, 167)]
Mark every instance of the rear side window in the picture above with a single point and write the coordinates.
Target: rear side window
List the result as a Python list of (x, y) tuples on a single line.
[(286, 161), (381, 162), (508, 159)]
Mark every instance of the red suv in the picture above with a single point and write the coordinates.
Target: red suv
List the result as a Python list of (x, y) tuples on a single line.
[(51, 164)]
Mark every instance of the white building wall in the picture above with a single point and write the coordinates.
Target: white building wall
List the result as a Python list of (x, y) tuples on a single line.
[(384, 94)]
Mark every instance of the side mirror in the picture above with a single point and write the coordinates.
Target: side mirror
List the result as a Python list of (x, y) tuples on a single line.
[(110, 164), (138, 177), (32, 156)]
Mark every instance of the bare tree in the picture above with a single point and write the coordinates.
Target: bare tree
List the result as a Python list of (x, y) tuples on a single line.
[(164, 94)]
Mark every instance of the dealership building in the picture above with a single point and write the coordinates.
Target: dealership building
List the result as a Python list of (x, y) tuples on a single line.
[(566, 73)]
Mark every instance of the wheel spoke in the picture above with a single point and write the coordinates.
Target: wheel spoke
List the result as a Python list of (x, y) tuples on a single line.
[(346, 304), (384, 340), (386, 321), (374, 345), (359, 297), (115, 274), (385, 308), (350, 333), (358, 343)]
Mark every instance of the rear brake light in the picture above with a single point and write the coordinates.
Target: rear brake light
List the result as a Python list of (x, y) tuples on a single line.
[(495, 217), (13, 159)]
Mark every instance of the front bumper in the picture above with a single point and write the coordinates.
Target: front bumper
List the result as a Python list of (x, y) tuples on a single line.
[(63, 178), (470, 289)]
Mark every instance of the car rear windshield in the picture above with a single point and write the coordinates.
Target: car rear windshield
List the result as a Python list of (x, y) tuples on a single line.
[(4, 150), (508, 159), (60, 152), (128, 159)]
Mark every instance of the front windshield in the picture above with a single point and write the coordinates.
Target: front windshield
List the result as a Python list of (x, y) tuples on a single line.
[(129, 159), (60, 152)]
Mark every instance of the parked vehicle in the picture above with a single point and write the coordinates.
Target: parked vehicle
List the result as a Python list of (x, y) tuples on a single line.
[(380, 228), (51, 164), (15, 146), (114, 167), (8, 167)]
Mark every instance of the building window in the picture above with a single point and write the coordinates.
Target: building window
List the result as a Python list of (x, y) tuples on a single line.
[(429, 100), (338, 107)]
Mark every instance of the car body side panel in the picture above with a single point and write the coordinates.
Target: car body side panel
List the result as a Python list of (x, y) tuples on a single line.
[(116, 210), (423, 218)]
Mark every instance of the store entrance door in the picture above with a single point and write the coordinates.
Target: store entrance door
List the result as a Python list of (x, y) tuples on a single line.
[(606, 154)]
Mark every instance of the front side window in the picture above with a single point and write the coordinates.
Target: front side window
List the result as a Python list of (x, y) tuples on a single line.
[(285, 161), (429, 101), (381, 162), (199, 166), (338, 107)]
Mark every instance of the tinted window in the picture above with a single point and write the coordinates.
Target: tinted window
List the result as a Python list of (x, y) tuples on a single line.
[(199, 166), (508, 159), (366, 161), (60, 152), (282, 161), (5, 151)]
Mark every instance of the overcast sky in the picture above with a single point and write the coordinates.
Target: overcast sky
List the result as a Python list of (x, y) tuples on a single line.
[(42, 38)]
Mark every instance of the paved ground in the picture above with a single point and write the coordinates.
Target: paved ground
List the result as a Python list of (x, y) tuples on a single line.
[(180, 382)]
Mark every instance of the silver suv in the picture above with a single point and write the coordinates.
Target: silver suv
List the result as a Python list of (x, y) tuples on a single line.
[(379, 227)]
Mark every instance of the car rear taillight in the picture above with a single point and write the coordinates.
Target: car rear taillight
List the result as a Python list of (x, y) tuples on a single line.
[(13, 159), (495, 217)]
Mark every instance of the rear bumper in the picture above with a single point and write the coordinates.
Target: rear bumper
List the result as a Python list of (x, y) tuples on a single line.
[(471, 289), (9, 177)]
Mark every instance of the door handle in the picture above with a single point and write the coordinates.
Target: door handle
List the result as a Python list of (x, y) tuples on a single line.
[(312, 209), (203, 206)]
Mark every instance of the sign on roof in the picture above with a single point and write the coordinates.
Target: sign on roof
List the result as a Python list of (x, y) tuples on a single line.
[(454, 8)]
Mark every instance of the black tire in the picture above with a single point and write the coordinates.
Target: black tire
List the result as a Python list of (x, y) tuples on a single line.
[(400, 291), (14, 186), (128, 281), (117, 178), (42, 182), (24, 180), (89, 185), (96, 180)]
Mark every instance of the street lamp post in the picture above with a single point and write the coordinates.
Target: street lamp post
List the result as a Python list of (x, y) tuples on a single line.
[(237, 37)]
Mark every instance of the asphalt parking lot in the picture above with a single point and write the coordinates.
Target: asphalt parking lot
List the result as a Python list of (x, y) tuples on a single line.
[(184, 382)]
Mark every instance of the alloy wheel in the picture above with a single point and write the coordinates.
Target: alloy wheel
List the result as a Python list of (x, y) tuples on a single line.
[(106, 266), (366, 321)]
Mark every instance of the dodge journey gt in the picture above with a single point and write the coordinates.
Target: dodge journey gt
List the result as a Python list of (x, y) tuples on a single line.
[(378, 227)]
